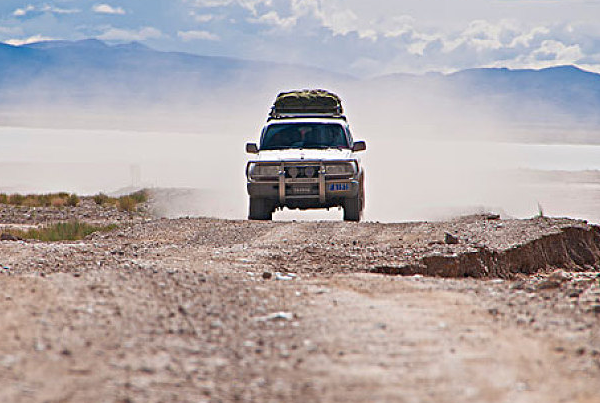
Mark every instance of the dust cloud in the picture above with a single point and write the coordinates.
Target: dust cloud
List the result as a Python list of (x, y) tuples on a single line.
[(429, 155)]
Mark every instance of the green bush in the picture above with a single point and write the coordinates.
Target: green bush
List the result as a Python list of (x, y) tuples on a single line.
[(69, 231), (141, 196), (16, 199), (101, 199), (73, 200), (126, 203)]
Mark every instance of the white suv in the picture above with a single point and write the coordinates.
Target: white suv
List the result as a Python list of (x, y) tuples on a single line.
[(305, 161)]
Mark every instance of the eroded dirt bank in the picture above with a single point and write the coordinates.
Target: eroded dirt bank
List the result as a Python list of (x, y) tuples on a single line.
[(212, 310)]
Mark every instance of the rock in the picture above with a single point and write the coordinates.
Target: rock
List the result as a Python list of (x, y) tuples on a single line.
[(560, 276), (216, 324), (450, 239), (5, 236), (548, 284), (596, 309), (276, 316), (518, 285), (554, 280), (492, 217), (266, 275), (283, 277)]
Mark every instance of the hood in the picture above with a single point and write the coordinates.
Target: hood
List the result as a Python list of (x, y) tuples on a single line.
[(305, 154)]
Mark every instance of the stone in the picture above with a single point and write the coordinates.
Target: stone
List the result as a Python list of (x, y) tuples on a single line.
[(5, 236), (450, 239)]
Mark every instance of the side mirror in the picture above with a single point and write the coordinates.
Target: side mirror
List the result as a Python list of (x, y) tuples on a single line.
[(251, 148), (359, 146)]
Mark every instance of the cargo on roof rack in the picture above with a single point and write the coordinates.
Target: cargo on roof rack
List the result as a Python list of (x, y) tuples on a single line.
[(306, 103)]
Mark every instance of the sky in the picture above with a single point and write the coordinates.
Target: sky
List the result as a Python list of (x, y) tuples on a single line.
[(357, 37)]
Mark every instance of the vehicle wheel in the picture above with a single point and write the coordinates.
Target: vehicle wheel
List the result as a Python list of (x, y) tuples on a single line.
[(352, 209), (260, 209)]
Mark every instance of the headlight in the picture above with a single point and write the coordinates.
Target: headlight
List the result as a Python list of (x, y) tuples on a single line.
[(346, 169), (262, 170)]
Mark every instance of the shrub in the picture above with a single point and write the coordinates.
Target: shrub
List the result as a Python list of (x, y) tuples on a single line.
[(73, 200), (30, 201), (3, 198), (141, 196), (101, 199), (126, 203), (69, 231), (16, 199), (57, 202)]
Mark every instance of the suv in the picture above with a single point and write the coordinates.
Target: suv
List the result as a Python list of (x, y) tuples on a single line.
[(306, 158)]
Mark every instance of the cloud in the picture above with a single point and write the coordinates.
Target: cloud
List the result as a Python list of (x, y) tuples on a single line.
[(119, 34), (202, 18), (31, 39), (57, 10), (11, 30), (108, 9), (272, 18), (22, 12), (187, 36)]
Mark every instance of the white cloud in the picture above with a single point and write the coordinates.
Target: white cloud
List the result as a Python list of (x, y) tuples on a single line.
[(57, 10), (250, 5), (31, 39), (272, 18), (108, 9), (187, 36), (202, 18), (11, 31), (119, 34), (22, 12)]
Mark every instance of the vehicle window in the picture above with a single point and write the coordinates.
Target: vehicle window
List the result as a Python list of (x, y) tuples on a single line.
[(304, 135)]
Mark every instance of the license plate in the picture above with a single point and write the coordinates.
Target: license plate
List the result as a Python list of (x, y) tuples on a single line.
[(339, 187), (302, 190)]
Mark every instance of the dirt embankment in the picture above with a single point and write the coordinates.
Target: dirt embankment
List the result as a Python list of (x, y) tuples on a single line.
[(549, 244)]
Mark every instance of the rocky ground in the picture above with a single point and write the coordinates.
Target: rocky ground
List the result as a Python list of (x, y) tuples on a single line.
[(475, 309), (87, 211)]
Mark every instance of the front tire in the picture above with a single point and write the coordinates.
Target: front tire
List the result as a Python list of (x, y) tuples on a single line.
[(353, 209), (260, 209)]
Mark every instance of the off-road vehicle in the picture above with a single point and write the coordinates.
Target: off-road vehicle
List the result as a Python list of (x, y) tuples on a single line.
[(306, 159)]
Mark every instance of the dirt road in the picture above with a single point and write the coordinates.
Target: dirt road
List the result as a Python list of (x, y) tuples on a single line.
[(193, 310)]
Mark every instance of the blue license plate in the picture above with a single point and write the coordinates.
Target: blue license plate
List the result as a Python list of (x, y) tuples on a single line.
[(339, 187)]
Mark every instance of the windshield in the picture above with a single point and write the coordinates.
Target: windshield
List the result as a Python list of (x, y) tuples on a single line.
[(304, 135)]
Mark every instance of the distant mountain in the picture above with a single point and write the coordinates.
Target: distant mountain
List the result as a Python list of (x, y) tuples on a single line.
[(88, 69), (550, 95), (90, 72)]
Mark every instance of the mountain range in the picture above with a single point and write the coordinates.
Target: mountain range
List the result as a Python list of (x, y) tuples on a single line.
[(91, 72)]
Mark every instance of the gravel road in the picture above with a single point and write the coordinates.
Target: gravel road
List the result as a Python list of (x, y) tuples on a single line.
[(475, 309)]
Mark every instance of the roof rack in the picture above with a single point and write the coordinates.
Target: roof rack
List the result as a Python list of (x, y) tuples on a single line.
[(274, 115)]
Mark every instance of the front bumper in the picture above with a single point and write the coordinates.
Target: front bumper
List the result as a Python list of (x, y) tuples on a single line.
[(305, 194)]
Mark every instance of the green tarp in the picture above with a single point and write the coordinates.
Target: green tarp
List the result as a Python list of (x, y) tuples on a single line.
[(308, 101)]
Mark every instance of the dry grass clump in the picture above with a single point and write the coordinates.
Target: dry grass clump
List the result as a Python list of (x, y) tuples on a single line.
[(68, 231), (128, 202), (60, 199), (125, 203)]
